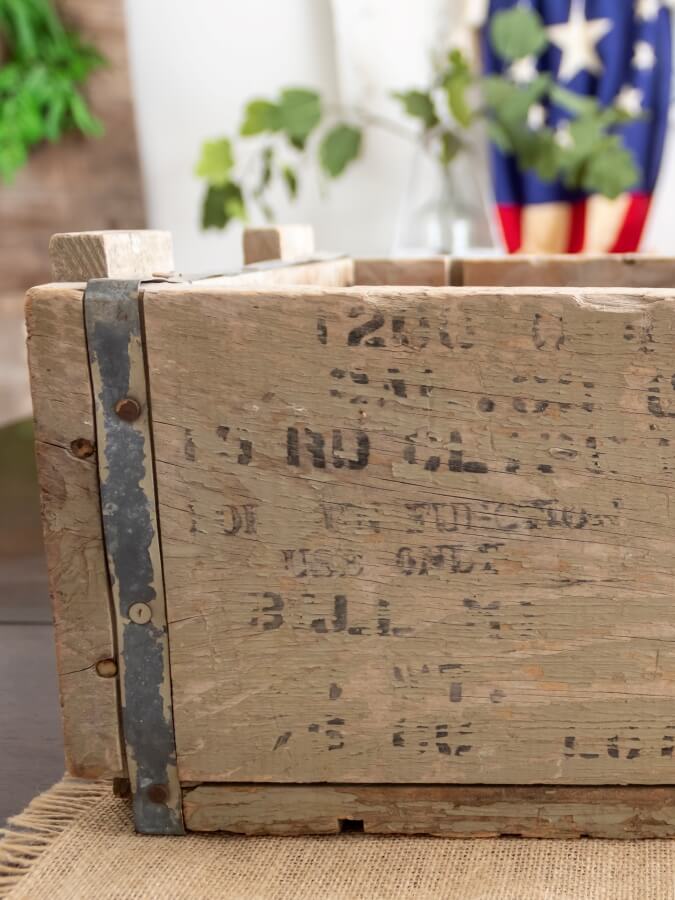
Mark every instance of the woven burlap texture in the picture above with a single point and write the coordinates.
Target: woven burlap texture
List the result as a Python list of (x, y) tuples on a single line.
[(77, 841)]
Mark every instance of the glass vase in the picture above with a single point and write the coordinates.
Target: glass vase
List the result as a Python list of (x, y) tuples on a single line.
[(447, 209)]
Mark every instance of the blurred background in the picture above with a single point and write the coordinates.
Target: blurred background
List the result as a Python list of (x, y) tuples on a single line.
[(392, 126)]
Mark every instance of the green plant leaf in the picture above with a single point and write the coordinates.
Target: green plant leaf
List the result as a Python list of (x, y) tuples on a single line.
[(54, 118), (497, 90), (611, 171), (420, 105), (517, 32), (42, 66), (499, 135), (587, 134), (545, 155), (575, 103), (267, 212), (509, 103), (260, 116), (450, 147), (588, 139), (83, 118), (222, 204), (456, 82), (291, 181), (300, 113), (216, 162), (614, 115), (339, 147), (267, 162)]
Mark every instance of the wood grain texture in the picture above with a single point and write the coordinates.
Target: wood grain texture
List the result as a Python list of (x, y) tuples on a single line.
[(433, 271), (447, 810), (79, 256), (89, 183), (417, 535), (325, 273), (632, 270), (278, 242), (72, 530)]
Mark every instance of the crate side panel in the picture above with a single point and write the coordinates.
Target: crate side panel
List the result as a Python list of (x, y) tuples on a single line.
[(72, 530), (449, 810), (417, 535), (433, 271), (327, 273), (565, 270)]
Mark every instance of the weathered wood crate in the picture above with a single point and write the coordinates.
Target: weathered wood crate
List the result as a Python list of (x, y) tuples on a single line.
[(363, 545)]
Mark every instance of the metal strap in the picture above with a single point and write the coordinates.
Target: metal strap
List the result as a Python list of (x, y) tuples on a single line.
[(129, 511)]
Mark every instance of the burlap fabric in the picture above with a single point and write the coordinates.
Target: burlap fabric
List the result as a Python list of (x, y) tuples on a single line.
[(77, 841)]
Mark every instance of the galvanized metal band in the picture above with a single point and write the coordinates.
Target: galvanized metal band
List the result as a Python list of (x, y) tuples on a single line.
[(129, 513)]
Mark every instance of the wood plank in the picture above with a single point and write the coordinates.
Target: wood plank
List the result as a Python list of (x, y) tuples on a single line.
[(285, 242), (465, 811), (72, 529), (631, 270), (337, 272), (417, 536), (79, 256), (434, 271)]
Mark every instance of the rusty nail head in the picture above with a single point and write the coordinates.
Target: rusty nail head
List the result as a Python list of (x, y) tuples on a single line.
[(82, 448), (157, 793), (140, 613), (128, 409), (106, 668)]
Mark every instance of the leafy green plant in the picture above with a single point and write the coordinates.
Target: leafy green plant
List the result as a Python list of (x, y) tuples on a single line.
[(586, 153), (42, 67)]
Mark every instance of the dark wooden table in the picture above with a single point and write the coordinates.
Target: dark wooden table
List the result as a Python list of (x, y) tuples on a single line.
[(31, 750)]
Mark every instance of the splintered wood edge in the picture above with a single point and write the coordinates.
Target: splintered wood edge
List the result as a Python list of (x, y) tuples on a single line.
[(78, 578), (460, 811)]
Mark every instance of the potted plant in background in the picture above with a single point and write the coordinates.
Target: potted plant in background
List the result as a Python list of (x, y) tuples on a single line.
[(43, 66), (445, 118)]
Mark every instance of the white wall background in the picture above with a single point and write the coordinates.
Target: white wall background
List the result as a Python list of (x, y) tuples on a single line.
[(194, 65)]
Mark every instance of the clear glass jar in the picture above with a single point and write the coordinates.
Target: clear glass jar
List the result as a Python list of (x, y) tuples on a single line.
[(448, 209)]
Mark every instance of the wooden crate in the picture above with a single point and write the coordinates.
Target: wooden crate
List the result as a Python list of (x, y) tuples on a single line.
[(363, 545)]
